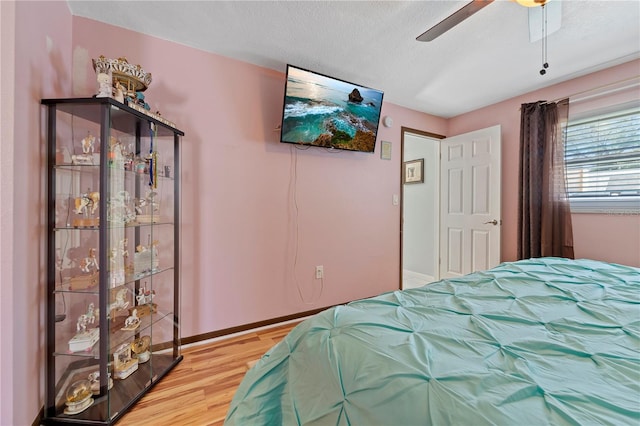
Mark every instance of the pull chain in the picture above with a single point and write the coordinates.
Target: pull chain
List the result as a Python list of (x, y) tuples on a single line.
[(545, 64)]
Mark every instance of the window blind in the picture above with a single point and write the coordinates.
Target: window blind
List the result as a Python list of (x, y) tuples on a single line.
[(602, 156)]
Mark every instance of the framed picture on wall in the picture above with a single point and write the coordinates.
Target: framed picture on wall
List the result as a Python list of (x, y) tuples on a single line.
[(414, 171)]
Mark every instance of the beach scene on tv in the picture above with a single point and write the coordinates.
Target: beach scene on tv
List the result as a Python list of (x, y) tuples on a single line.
[(326, 112)]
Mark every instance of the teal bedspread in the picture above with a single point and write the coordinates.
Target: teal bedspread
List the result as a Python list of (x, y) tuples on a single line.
[(537, 342)]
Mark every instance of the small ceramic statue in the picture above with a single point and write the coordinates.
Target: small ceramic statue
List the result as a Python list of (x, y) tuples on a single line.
[(87, 144), (87, 150), (119, 92), (87, 203), (86, 319), (90, 262), (119, 304), (145, 296), (132, 322), (124, 249), (104, 85)]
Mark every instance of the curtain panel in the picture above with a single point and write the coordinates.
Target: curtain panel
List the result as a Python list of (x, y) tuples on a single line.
[(544, 215)]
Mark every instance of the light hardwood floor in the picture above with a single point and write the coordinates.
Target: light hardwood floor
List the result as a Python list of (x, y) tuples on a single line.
[(199, 389)]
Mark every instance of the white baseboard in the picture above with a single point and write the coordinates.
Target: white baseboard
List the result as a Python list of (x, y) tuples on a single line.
[(413, 279)]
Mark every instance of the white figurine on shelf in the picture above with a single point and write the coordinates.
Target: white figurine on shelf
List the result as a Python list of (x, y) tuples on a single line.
[(87, 151), (94, 379), (86, 319), (87, 143), (146, 259), (132, 322), (123, 247), (85, 201), (119, 210), (145, 296), (113, 254), (90, 262), (118, 92), (104, 85), (85, 337), (119, 304), (148, 203)]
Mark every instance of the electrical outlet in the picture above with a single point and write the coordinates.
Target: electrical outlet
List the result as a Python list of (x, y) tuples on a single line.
[(319, 272)]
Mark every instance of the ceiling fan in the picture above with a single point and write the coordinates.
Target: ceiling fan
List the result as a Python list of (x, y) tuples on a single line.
[(465, 12)]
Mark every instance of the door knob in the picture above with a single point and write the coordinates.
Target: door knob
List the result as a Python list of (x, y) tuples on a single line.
[(492, 222)]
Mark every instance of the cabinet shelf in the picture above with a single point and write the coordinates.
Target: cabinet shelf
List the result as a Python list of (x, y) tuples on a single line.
[(84, 168), (124, 392), (113, 256), (112, 226), (117, 336), (129, 279)]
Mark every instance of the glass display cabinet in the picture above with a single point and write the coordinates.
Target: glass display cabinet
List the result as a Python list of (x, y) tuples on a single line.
[(113, 276)]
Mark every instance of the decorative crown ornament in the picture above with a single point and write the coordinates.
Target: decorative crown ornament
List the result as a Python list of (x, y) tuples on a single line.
[(132, 77)]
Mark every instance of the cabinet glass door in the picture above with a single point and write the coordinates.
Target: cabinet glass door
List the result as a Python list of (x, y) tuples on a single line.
[(113, 268)]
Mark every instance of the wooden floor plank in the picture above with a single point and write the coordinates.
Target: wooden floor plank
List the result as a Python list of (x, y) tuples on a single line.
[(199, 389)]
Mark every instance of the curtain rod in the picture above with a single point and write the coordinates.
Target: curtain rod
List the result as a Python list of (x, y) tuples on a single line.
[(600, 90)]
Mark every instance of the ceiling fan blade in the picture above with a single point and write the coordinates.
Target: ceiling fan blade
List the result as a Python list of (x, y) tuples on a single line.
[(453, 20)]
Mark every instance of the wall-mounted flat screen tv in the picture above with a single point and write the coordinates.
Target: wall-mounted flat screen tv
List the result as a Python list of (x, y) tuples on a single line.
[(326, 112)]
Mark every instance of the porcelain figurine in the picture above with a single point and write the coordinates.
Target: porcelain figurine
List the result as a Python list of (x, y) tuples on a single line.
[(104, 85)]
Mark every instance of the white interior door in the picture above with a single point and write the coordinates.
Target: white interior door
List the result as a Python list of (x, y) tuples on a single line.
[(470, 202)]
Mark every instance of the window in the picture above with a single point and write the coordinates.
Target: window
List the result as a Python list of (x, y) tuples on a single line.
[(602, 155)]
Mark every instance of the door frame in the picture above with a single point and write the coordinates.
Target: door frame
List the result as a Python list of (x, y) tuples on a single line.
[(404, 130)]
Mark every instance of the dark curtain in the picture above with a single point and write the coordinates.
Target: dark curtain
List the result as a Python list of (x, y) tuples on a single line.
[(544, 216)]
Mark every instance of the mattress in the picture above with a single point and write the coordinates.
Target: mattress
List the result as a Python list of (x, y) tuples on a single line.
[(544, 341)]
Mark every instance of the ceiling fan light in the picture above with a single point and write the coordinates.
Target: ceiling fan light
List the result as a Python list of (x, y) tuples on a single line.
[(531, 3)]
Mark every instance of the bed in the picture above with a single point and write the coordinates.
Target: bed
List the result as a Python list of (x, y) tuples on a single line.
[(546, 341)]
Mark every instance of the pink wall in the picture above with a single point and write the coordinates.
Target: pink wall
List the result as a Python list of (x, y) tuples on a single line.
[(613, 238), (41, 63), (7, 84), (240, 224)]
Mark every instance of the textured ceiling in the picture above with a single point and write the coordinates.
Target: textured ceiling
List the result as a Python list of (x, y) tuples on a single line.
[(485, 59)]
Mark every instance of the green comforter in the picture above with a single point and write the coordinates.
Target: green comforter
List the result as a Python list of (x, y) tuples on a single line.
[(537, 342)]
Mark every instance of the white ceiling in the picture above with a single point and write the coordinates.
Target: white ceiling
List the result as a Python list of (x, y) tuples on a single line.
[(485, 59)]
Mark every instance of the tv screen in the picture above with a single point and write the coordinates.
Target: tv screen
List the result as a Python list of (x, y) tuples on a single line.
[(326, 112)]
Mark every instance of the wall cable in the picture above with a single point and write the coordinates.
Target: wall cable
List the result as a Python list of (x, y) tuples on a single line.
[(293, 188)]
